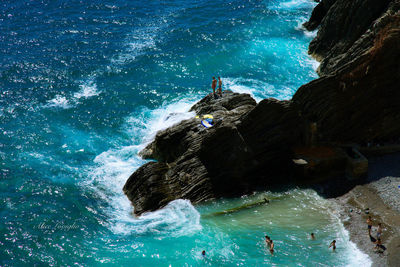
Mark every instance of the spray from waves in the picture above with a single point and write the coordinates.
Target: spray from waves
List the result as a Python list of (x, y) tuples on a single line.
[(113, 167), (178, 218), (87, 89), (300, 27), (259, 90), (295, 4), (148, 122), (59, 101)]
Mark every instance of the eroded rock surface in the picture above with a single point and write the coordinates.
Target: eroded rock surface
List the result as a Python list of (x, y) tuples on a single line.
[(356, 100), (348, 29), (197, 163)]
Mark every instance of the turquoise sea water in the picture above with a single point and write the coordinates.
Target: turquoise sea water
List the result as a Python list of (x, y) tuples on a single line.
[(84, 85)]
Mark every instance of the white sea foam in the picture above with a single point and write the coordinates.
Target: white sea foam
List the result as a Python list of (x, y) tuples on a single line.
[(295, 4), (314, 64), (114, 166), (88, 89), (149, 122), (354, 256), (59, 101), (178, 218), (310, 34), (256, 88), (300, 27)]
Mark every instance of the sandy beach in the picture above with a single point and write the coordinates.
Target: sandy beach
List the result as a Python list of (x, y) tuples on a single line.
[(380, 199)]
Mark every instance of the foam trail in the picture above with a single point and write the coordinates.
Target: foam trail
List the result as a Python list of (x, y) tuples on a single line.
[(256, 88), (178, 218), (113, 167), (139, 41), (296, 4)]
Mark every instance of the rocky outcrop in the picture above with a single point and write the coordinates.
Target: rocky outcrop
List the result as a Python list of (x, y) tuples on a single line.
[(359, 102), (318, 14), (347, 30), (197, 163), (250, 146)]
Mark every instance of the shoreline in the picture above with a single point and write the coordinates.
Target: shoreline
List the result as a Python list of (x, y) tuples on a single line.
[(378, 198)]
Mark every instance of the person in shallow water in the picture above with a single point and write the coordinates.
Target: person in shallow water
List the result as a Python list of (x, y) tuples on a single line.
[(268, 241), (203, 253), (369, 223), (271, 247), (333, 245), (270, 244), (214, 84), (312, 236), (219, 86)]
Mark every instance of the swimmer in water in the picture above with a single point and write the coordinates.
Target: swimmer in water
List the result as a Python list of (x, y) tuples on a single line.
[(333, 245), (271, 247), (312, 236)]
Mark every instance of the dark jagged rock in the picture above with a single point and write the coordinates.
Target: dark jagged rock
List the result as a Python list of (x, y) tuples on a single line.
[(343, 27), (270, 130), (253, 145), (359, 103), (318, 14), (147, 187), (198, 163), (187, 135)]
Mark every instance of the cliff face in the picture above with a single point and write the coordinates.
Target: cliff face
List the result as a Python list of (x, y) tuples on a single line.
[(251, 146), (358, 103), (347, 30)]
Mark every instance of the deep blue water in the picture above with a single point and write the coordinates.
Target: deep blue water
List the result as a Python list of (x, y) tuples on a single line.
[(85, 84)]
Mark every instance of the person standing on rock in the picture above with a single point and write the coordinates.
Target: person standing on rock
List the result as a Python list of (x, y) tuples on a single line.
[(219, 86), (379, 247), (379, 231), (369, 223), (214, 85)]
